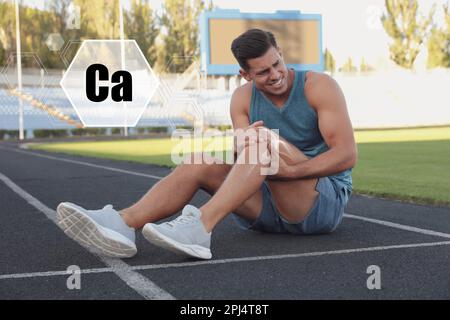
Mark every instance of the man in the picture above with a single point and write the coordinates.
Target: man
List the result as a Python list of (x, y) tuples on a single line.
[(306, 195)]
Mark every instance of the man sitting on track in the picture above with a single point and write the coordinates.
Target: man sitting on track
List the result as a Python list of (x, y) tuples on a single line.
[(306, 195)]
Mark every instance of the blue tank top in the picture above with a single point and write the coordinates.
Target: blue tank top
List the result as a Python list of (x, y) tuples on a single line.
[(297, 122)]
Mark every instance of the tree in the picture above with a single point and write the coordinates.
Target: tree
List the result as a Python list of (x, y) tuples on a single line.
[(178, 34), (179, 38), (99, 19), (35, 24), (330, 63), (60, 8), (58, 12), (439, 44), (7, 30), (408, 31), (364, 67), (140, 25), (348, 66)]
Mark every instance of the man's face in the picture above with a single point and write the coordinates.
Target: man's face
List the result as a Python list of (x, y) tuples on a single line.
[(269, 72)]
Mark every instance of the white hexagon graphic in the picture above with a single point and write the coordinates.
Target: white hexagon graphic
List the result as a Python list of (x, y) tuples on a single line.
[(109, 113)]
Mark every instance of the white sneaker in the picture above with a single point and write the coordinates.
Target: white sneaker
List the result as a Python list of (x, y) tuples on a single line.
[(103, 229), (185, 235)]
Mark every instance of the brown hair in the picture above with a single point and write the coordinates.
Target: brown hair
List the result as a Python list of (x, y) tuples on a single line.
[(251, 44)]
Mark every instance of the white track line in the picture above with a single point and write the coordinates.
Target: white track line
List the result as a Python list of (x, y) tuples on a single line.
[(126, 269), (87, 164), (232, 260), (293, 255), (376, 221), (400, 226), (51, 273), (136, 281)]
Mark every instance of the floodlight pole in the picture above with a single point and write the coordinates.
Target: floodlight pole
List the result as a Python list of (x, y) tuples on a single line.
[(19, 70), (122, 54)]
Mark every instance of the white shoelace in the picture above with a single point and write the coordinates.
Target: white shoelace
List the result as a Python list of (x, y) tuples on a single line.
[(183, 219)]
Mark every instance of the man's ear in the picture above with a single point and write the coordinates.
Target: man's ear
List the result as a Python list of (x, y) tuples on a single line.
[(245, 75)]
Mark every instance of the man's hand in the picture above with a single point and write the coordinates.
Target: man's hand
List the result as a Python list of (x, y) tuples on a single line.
[(246, 136), (285, 170)]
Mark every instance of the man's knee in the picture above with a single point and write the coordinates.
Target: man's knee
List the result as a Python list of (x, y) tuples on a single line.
[(255, 154), (267, 147)]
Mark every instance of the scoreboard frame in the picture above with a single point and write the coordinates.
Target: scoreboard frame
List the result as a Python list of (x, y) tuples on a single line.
[(233, 69)]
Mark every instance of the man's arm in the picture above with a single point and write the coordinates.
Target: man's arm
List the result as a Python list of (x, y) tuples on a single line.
[(325, 96), (239, 106)]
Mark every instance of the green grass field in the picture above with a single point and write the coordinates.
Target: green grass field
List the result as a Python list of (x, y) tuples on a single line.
[(406, 164)]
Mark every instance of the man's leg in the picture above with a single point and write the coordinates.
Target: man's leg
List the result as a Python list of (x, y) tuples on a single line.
[(172, 193), (110, 233), (190, 234), (243, 181), (293, 198), (234, 189)]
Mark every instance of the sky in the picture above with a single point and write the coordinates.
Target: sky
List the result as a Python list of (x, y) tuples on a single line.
[(351, 28)]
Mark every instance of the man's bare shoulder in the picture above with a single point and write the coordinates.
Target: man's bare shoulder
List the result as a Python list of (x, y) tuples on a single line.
[(315, 81), (320, 87), (240, 100)]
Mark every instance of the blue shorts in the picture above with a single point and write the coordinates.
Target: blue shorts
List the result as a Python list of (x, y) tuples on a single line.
[(324, 216)]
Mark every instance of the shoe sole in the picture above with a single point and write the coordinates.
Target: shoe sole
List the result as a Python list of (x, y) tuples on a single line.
[(160, 240), (79, 227)]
